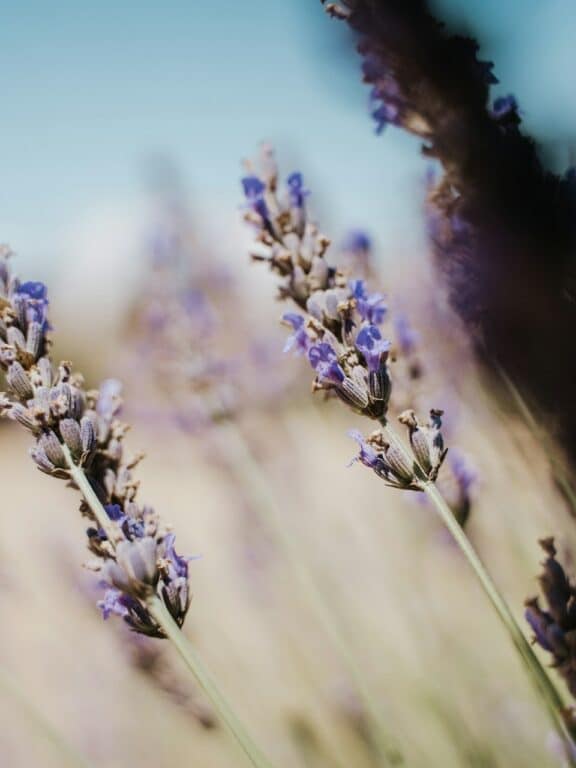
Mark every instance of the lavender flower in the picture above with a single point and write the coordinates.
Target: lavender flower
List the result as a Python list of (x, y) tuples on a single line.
[(372, 346), (254, 192), (371, 306), (357, 252), (340, 335), (505, 110), (296, 191), (299, 341), (79, 437), (357, 241)]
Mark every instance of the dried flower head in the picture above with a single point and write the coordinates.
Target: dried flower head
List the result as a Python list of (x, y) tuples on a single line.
[(79, 437), (398, 468)]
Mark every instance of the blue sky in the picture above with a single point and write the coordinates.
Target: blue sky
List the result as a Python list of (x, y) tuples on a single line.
[(92, 91)]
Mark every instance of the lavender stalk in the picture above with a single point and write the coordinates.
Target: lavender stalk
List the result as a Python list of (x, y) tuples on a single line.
[(340, 335), (79, 438), (167, 624), (543, 684)]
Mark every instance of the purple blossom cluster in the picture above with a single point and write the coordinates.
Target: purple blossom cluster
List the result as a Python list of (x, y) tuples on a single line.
[(78, 433), (338, 328), (407, 57)]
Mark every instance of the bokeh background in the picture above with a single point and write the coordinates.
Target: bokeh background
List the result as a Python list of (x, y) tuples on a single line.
[(122, 121)]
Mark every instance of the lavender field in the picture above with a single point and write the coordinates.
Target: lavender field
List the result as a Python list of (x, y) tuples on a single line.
[(287, 303)]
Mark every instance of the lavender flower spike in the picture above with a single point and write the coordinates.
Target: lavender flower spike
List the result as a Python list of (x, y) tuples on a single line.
[(79, 437), (334, 305)]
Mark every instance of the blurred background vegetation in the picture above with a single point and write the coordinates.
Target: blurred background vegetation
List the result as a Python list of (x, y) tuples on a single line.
[(116, 120)]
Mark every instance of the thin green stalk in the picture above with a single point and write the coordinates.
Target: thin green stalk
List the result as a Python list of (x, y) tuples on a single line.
[(90, 497), (195, 664), (264, 503), (67, 752), (536, 671), (160, 613)]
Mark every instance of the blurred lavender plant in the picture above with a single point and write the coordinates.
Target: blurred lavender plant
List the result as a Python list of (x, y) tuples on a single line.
[(209, 370), (502, 227), (554, 627), (357, 252), (79, 438), (148, 658), (339, 334)]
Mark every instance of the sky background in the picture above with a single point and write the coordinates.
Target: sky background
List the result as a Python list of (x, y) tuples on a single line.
[(93, 92)]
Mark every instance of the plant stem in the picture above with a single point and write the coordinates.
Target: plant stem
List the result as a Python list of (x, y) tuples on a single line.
[(68, 753), (161, 614), (536, 671), (90, 497), (264, 502)]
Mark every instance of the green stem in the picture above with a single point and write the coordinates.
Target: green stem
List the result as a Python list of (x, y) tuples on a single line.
[(194, 663), (160, 613), (536, 671), (68, 753), (90, 497), (263, 500)]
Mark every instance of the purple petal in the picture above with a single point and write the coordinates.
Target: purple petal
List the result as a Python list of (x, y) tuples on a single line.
[(324, 360), (372, 346)]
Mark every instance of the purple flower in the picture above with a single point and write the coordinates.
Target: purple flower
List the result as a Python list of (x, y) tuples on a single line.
[(178, 564), (114, 512), (386, 102), (505, 109), (34, 296), (540, 622), (370, 306), (254, 189), (367, 456), (112, 603), (372, 346), (109, 401), (385, 114), (199, 309), (296, 190), (324, 360), (463, 472), (34, 290), (131, 527), (299, 340), (407, 337), (357, 241)]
